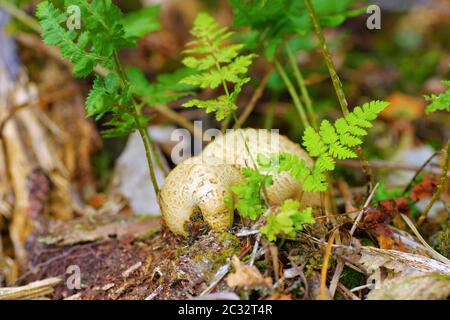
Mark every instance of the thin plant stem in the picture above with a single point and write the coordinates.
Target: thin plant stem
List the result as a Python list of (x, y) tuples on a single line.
[(146, 139), (255, 97), (138, 111), (155, 152), (337, 87), (20, 15), (301, 83), (237, 123), (409, 185), (324, 294), (329, 61), (268, 122), (297, 103), (442, 181)]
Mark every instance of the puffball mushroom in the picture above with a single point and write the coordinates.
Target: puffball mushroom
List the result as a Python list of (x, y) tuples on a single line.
[(200, 184), (195, 186)]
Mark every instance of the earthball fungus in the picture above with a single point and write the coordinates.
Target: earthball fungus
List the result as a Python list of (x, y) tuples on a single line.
[(200, 184)]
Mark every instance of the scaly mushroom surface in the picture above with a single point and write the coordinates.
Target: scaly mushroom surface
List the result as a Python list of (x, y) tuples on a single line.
[(201, 183)]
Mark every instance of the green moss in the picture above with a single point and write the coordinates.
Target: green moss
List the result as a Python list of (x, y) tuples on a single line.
[(314, 264), (150, 234), (210, 252), (441, 241), (351, 278)]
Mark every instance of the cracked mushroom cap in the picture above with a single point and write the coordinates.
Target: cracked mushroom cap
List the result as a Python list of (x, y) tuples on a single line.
[(231, 149), (198, 185)]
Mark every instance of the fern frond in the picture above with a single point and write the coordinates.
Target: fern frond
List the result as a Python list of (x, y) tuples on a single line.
[(287, 221), (72, 45), (349, 140), (439, 102), (313, 142), (221, 106), (325, 163), (338, 151), (315, 182), (249, 193), (217, 64), (96, 105), (328, 132), (329, 143)]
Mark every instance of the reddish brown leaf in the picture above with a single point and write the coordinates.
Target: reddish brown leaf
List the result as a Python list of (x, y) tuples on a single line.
[(424, 189)]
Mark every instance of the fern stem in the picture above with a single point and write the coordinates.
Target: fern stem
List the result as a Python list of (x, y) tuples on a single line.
[(442, 181), (146, 139), (337, 86), (239, 128), (20, 15), (329, 61), (268, 121), (137, 110), (301, 83), (298, 105), (256, 96)]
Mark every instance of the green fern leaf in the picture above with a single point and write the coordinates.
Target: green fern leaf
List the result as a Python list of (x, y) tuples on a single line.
[(325, 163), (340, 152), (439, 102), (349, 140), (313, 142), (249, 193), (330, 143), (315, 182), (287, 221), (328, 133), (221, 106), (216, 64)]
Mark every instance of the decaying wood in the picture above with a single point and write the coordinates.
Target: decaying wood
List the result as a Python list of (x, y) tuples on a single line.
[(30, 141), (119, 230), (34, 290)]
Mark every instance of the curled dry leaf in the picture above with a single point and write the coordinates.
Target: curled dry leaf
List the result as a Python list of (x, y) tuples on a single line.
[(400, 275), (246, 276)]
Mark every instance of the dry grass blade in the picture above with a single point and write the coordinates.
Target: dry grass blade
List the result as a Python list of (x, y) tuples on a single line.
[(324, 293), (433, 252), (358, 218), (32, 290)]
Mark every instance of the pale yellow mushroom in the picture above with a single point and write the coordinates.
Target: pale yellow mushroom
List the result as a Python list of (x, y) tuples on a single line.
[(231, 149), (195, 186), (200, 184)]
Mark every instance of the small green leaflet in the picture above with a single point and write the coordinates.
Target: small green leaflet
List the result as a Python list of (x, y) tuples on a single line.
[(249, 193), (141, 22), (287, 221), (439, 102)]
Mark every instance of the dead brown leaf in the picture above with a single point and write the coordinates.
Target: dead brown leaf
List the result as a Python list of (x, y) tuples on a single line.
[(246, 276), (424, 189), (280, 296), (403, 106)]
